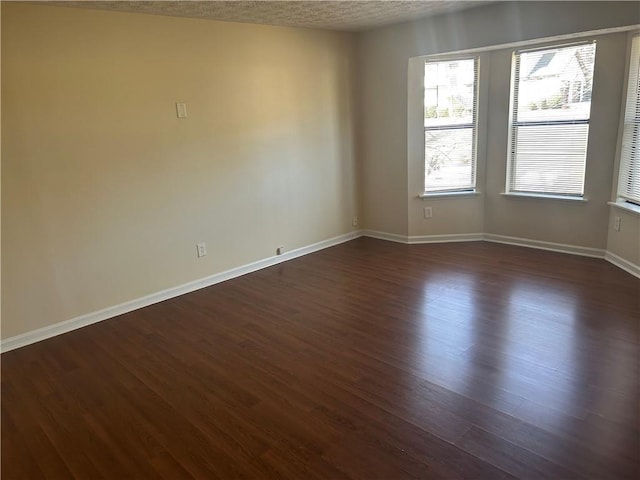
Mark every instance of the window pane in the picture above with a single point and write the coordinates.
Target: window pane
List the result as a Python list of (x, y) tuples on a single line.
[(550, 159), (550, 119), (449, 161), (449, 121), (449, 92), (629, 182), (629, 179), (555, 84)]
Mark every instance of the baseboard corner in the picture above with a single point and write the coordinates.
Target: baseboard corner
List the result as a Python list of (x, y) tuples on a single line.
[(391, 237), (49, 331), (620, 262)]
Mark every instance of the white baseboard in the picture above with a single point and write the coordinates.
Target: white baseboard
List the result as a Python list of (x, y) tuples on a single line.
[(33, 336), (620, 262), (454, 237), (391, 237), (488, 237), (551, 246), (625, 265)]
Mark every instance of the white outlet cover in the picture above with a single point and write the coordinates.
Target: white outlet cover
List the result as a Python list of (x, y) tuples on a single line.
[(181, 110)]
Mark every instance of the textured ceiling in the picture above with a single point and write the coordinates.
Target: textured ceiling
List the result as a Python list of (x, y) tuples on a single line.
[(348, 15)]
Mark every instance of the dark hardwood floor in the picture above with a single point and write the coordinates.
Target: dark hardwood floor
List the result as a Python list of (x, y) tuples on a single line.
[(369, 360)]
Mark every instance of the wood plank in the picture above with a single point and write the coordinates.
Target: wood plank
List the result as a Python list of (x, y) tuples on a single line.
[(365, 360)]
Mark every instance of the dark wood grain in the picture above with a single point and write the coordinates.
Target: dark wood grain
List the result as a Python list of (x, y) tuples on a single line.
[(366, 360)]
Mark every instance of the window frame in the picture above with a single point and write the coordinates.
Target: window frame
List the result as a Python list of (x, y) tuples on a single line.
[(631, 95), (446, 192), (513, 124)]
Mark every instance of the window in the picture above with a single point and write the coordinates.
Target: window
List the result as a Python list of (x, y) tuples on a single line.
[(629, 180), (549, 125), (450, 104)]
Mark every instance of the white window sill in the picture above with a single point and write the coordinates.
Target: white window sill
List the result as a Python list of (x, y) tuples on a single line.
[(626, 206), (429, 195), (561, 198)]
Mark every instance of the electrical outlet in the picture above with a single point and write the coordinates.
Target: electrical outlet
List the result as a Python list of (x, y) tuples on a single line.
[(202, 249), (354, 221), (428, 212), (279, 250), (616, 224)]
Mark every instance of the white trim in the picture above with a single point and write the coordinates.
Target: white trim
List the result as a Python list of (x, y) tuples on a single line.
[(33, 336), (625, 265), (456, 194), (391, 237), (488, 237), (454, 237), (542, 196), (541, 41), (551, 246), (626, 206)]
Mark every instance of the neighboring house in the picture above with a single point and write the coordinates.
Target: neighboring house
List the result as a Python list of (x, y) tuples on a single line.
[(556, 80), (449, 91)]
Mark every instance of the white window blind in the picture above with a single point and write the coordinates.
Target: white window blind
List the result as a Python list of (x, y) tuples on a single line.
[(450, 118), (629, 180), (550, 110)]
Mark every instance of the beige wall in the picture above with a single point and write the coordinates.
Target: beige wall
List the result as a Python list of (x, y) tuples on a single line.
[(626, 242), (559, 221), (451, 215), (566, 222), (390, 171), (105, 192)]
